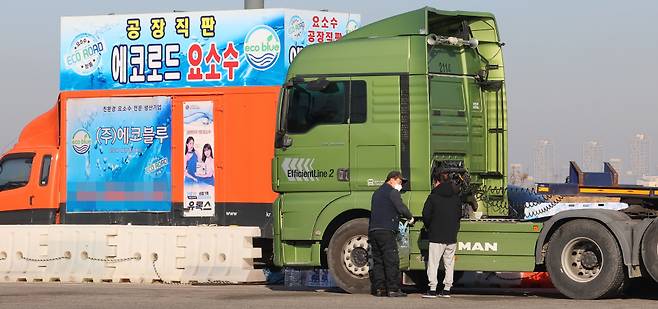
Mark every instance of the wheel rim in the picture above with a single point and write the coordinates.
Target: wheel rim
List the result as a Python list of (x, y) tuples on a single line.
[(582, 259), (355, 256)]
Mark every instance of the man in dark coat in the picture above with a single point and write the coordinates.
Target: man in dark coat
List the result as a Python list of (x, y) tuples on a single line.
[(386, 209), (441, 216)]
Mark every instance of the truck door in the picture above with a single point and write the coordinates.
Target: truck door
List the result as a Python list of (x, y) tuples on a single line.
[(316, 154), (42, 195), (374, 131)]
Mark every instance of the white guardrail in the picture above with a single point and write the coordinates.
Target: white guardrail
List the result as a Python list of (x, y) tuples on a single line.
[(128, 253)]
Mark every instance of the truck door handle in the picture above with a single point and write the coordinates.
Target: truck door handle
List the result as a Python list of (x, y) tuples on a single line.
[(31, 198), (343, 174)]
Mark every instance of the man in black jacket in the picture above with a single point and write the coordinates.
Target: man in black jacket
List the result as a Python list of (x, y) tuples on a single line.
[(386, 208), (441, 215)]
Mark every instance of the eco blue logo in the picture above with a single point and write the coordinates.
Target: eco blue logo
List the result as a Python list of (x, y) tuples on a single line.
[(262, 47), (84, 55), (81, 141)]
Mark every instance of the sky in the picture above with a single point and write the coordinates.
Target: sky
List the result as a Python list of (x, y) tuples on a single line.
[(575, 70)]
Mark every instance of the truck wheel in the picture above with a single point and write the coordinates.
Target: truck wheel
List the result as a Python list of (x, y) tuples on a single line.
[(650, 250), (584, 261), (347, 256)]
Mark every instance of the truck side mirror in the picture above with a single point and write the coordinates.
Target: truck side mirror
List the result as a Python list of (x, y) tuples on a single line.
[(282, 140), (287, 141)]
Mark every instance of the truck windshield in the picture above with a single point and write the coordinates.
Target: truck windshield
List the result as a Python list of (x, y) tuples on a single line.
[(309, 106), (15, 172)]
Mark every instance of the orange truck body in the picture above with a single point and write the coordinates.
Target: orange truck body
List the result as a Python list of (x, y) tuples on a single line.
[(244, 129)]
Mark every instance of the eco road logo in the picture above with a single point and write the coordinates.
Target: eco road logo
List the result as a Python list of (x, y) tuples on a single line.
[(84, 54), (81, 141), (301, 169), (156, 166), (262, 47), (296, 27), (351, 26)]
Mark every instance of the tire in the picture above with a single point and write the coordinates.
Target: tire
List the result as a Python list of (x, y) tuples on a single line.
[(650, 250), (347, 257), (584, 261)]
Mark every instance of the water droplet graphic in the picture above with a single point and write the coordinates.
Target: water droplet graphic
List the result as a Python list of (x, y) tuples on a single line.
[(87, 166)]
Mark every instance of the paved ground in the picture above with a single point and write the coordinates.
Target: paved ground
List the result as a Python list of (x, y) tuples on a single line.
[(123, 296)]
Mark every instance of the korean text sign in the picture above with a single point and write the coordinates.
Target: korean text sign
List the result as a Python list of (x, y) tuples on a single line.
[(118, 154), (194, 49)]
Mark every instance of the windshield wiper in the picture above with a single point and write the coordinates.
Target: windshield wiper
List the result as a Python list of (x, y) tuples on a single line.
[(12, 185)]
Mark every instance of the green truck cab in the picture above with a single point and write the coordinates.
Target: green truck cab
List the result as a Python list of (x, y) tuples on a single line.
[(409, 93)]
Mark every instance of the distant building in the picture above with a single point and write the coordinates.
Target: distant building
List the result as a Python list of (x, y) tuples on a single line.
[(543, 164), (517, 176), (592, 156), (514, 173), (640, 156)]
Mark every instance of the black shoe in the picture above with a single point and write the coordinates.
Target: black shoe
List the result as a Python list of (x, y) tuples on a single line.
[(430, 294), (444, 294), (397, 293), (380, 293)]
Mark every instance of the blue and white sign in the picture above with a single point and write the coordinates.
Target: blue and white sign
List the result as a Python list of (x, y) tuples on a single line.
[(199, 169), (198, 49), (305, 28), (121, 158), (262, 47)]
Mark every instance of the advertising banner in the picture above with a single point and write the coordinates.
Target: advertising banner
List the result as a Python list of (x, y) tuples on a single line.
[(199, 197), (119, 154), (190, 49), (305, 28)]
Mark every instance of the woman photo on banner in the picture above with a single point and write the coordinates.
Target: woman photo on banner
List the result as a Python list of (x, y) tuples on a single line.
[(191, 160), (207, 174)]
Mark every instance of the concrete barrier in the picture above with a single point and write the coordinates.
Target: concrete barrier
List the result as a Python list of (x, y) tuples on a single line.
[(19, 245), (125, 253), (139, 247), (221, 256), (81, 244)]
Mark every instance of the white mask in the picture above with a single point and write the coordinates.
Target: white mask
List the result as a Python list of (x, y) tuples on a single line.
[(397, 187)]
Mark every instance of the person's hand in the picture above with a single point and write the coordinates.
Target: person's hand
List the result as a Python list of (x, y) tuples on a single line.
[(411, 221)]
